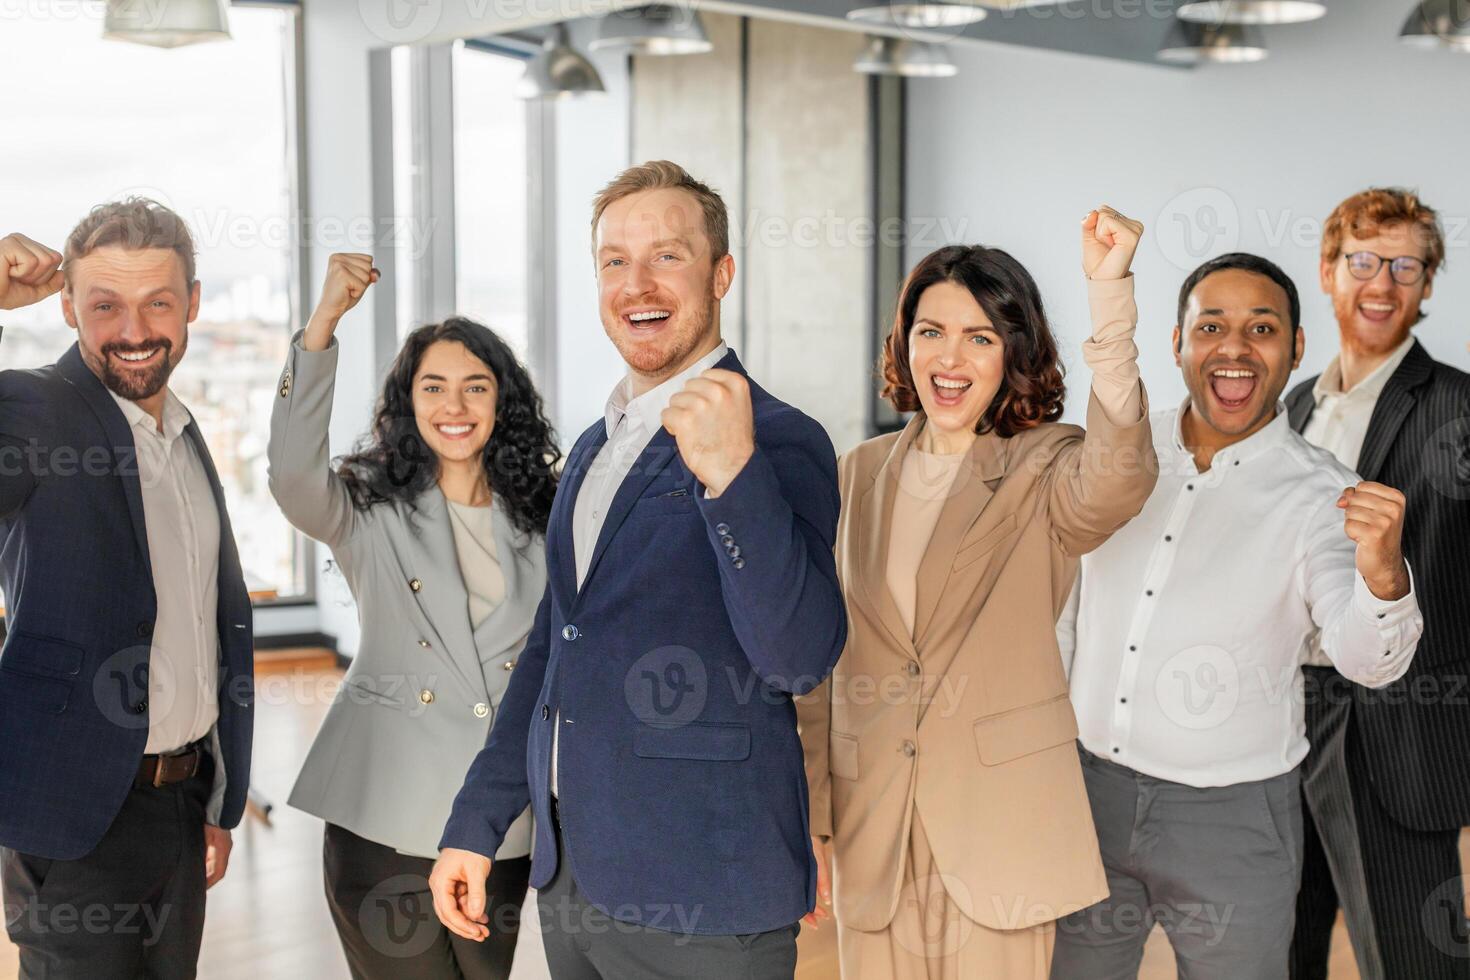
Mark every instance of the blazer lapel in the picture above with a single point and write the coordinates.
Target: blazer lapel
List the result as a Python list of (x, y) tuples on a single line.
[(119, 436), (510, 545), (442, 596), (963, 508), (561, 544), (1394, 405), (875, 522), (654, 459), (1299, 406)]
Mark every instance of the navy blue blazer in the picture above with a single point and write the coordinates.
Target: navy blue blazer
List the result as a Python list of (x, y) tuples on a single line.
[(79, 613), (683, 798)]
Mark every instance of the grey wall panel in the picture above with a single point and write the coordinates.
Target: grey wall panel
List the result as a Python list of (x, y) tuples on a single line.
[(809, 223), (690, 109)]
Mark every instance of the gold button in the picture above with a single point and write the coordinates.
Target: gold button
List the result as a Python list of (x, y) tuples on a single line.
[(510, 665), (424, 644), (426, 696), (415, 584), (481, 710), (286, 385)]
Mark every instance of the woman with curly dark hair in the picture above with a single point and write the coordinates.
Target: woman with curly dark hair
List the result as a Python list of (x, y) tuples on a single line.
[(941, 754), (437, 522)]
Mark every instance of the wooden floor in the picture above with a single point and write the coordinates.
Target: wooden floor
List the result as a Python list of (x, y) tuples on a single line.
[(268, 918)]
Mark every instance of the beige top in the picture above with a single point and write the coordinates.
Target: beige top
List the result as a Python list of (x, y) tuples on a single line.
[(474, 540), (923, 486)]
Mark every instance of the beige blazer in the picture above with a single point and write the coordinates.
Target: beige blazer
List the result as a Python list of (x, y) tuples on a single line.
[(992, 768)]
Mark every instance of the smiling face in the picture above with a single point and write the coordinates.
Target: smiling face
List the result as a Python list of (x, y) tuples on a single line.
[(956, 358), (1374, 315), (659, 287), (454, 395), (1236, 349), (131, 309)]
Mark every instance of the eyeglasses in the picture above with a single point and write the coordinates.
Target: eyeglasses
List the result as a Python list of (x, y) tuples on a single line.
[(1406, 269)]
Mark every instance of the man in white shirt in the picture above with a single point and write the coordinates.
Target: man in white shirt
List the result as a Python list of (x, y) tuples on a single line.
[(126, 678), (1387, 782), (1186, 634)]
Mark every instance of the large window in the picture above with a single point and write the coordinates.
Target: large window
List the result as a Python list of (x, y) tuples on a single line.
[(462, 189), (491, 173), (207, 131)]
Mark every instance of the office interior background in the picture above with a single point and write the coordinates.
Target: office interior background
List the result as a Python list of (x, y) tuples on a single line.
[(401, 128)]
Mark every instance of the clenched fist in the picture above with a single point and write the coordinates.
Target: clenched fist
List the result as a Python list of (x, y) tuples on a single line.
[(457, 885), (349, 274), (1109, 242), (29, 272), (712, 423), (1375, 521)]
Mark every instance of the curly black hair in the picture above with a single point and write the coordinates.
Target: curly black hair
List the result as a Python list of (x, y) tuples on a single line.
[(393, 463)]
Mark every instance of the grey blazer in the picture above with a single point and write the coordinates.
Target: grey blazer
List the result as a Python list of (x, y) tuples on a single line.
[(423, 689)]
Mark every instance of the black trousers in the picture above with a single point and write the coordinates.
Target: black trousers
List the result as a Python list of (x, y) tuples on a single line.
[(385, 917), (1399, 889), (584, 943), (133, 907)]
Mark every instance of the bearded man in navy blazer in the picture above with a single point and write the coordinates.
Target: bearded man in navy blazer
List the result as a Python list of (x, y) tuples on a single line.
[(125, 681), (692, 593)]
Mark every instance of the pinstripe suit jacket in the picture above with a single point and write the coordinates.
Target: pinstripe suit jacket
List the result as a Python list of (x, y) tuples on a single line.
[(1415, 733)]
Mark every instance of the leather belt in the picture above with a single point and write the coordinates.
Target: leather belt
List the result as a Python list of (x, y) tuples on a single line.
[(165, 770)]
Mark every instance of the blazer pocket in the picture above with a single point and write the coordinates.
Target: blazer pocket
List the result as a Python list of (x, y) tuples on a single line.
[(44, 656), (972, 553), (842, 755), (703, 741), (1021, 731), (361, 694), (32, 692), (665, 505)]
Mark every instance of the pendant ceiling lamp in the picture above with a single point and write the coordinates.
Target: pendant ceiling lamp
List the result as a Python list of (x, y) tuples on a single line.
[(1232, 44), (909, 59), (659, 29), (920, 14), (170, 24), (1252, 11), (1439, 24), (557, 71)]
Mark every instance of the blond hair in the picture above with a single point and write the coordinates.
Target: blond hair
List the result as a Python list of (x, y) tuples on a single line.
[(662, 175), (132, 223)]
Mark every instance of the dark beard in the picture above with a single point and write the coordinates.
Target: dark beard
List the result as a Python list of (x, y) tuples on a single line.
[(136, 386)]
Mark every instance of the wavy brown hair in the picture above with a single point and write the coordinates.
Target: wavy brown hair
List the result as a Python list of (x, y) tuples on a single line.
[(1032, 388)]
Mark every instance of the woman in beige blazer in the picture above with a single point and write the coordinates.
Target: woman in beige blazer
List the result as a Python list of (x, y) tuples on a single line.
[(940, 755)]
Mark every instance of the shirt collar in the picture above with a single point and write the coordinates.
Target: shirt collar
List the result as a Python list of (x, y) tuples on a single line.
[(646, 411), (1329, 383), (1270, 436), (176, 417)]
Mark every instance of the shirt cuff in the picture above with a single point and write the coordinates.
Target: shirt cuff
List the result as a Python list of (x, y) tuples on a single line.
[(1385, 612)]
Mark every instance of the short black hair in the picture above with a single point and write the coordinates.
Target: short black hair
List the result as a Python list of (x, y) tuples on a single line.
[(1249, 263)]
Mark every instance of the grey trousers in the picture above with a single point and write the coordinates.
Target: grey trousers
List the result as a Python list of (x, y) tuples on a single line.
[(1217, 868), (584, 943)]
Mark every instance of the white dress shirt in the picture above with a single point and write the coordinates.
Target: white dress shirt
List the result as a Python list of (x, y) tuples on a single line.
[(631, 425), (183, 547), (1339, 424), (1187, 630)]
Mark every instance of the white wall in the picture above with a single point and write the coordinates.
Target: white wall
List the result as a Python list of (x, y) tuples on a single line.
[(1021, 143)]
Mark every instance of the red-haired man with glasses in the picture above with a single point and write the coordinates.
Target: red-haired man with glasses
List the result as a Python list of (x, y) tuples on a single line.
[(1387, 782)]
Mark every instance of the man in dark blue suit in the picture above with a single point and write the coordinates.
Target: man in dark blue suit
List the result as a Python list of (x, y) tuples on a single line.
[(125, 679), (692, 593)]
